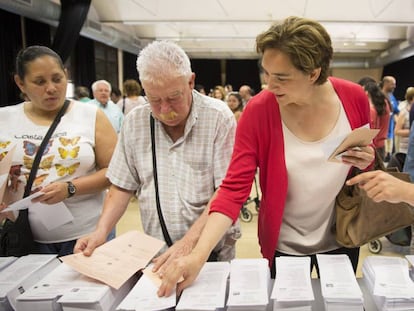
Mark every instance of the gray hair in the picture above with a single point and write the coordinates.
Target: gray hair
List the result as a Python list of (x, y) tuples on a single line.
[(95, 85), (161, 59)]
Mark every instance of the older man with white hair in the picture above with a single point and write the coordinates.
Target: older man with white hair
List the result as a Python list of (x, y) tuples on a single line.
[(101, 92)]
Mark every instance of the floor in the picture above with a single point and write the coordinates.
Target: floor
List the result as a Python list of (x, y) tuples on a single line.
[(247, 246)]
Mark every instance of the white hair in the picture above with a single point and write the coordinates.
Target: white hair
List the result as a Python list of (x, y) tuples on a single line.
[(95, 85), (162, 59)]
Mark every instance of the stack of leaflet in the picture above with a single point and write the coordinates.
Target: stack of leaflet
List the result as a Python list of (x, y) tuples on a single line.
[(292, 289), (387, 278), (339, 287), (249, 285), (208, 292), (20, 275), (65, 288), (6, 261), (143, 297)]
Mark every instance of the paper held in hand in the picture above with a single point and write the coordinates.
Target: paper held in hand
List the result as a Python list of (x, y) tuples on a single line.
[(114, 262), (359, 137)]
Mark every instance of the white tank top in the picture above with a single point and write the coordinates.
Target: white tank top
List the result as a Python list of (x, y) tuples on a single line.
[(313, 184), (69, 154)]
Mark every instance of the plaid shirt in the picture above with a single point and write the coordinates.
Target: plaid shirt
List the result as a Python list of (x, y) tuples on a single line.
[(188, 170)]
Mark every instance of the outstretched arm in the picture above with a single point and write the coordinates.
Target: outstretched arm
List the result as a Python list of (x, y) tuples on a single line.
[(189, 266)]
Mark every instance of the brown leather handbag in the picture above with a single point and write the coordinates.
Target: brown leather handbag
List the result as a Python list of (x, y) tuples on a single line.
[(359, 219)]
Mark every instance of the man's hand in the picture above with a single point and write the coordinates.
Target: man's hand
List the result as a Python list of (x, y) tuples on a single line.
[(178, 249), (87, 244)]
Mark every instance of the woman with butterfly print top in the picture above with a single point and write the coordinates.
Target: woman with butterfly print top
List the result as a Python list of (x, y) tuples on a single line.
[(79, 150)]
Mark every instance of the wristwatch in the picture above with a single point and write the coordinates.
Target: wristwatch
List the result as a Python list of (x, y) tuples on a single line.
[(71, 189)]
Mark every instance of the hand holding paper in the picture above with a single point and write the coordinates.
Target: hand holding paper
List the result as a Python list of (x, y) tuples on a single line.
[(359, 137)]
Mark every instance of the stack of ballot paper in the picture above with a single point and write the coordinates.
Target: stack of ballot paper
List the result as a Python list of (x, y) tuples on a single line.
[(143, 296), (6, 261), (387, 278), (339, 287), (249, 285), (65, 288), (292, 289), (20, 275), (208, 292)]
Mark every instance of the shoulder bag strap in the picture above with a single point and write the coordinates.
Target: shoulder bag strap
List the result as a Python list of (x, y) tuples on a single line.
[(165, 233), (42, 147)]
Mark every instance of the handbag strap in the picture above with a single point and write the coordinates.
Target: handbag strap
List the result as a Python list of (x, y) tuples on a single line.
[(165, 233), (42, 147)]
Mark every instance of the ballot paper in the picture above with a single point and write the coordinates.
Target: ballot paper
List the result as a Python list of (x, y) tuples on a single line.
[(19, 276), (143, 297), (292, 287), (359, 137), (114, 262), (6, 261), (208, 292), (64, 287), (387, 278), (249, 286), (339, 287)]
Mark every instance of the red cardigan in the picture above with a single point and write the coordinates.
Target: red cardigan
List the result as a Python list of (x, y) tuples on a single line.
[(259, 144)]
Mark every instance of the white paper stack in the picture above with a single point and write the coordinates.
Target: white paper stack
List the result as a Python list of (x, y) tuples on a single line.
[(208, 292), (6, 261), (143, 297), (339, 287), (292, 289), (66, 289), (16, 278), (249, 285), (387, 279)]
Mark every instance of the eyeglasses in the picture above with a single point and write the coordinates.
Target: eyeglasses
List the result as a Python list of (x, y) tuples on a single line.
[(173, 99)]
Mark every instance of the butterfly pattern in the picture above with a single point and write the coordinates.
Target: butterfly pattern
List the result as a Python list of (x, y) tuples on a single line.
[(69, 141), (4, 144), (38, 180), (3, 154), (65, 153), (45, 164), (62, 170), (30, 148)]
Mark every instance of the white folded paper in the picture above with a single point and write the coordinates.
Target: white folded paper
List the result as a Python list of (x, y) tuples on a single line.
[(292, 287)]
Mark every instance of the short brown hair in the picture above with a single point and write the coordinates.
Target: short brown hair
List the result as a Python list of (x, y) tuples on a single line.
[(131, 88), (304, 41)]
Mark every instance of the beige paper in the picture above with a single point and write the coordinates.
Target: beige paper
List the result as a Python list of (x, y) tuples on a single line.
[(114, 262), (359, 137), (5, 165)]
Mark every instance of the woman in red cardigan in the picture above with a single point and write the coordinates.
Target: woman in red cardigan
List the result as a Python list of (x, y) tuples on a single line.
[(288, 132)]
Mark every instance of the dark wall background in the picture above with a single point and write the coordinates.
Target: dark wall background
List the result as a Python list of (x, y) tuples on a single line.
[(130, 66), (240, 72), (403, 72), (208, 72), (10, 37)]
